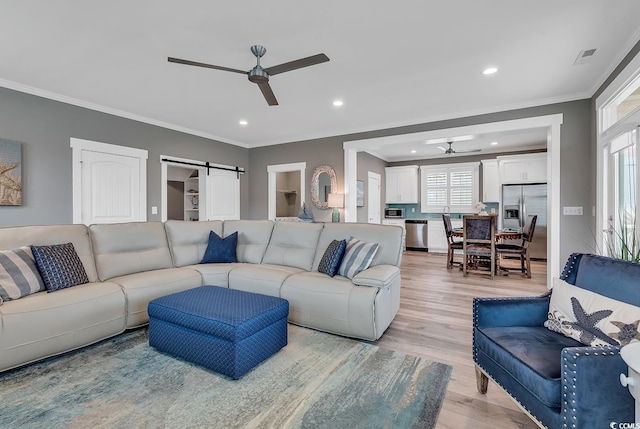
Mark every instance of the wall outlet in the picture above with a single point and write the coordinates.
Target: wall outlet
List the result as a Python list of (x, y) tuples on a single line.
[(413, 209), (572, 211), (154, 210)]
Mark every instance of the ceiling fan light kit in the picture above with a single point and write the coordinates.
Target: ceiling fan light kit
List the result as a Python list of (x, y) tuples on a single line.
[(258, 74)]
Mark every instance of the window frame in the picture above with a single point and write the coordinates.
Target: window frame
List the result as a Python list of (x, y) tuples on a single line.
[(449, 169)]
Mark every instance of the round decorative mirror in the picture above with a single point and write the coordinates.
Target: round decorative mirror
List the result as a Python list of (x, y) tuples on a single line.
[(323, 183)]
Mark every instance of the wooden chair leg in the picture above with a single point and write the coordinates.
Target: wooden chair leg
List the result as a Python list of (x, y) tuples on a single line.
[(482, 381), (528, 265), (449, 258), (465, 262)]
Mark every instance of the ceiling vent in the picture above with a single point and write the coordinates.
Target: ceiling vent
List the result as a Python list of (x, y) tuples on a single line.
[(584, 57)]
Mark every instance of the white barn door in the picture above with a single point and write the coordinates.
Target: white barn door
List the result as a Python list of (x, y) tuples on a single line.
[(109, 183), (222, 195)]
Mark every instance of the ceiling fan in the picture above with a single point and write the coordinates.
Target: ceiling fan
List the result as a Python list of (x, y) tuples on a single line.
[(450, 151), (260, 75)]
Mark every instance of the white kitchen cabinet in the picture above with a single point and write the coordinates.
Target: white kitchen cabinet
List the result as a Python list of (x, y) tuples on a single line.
[(437, 239), (400, 223), (530, 168), (402, 184), (490, 181)]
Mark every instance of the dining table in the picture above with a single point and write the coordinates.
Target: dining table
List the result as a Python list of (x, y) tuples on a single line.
[(500, 235)]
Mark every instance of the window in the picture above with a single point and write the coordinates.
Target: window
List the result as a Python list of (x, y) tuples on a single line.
[(450, 185), (618, 109)]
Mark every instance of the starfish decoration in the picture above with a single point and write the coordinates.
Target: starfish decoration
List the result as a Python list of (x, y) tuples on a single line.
[(628, 332), (6, 180), (587, 324)]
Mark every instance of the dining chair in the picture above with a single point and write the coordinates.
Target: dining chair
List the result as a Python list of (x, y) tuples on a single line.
[(522, 249), (452, 245), (478, 241)]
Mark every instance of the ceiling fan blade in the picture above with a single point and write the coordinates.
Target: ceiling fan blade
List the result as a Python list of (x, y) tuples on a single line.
[(442, 149), (209, 66), (297, 64), (469, 150), (268, 93)]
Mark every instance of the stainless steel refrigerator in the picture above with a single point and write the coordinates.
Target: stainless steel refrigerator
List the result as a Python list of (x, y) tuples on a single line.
[(519, 201)]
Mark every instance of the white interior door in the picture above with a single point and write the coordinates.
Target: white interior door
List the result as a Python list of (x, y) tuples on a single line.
[(373, 206), (109, 183), (222, 195)]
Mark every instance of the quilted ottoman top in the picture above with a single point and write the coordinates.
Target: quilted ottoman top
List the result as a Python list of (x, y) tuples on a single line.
[(224, 313)]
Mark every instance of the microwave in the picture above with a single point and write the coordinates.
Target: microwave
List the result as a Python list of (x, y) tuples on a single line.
[(394, 213)]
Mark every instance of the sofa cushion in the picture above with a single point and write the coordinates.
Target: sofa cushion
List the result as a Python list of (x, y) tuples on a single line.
[(253, 238), (591, 318), (59, 266), (19, 275), (215, 274), (189, 240), (293, 244), (13, 237), (389, 237), (140, 288), (332, 257), (335, 305), (263, 278), (530, 354), (357, 257), (45, 324), (221, 250), (128, 248)]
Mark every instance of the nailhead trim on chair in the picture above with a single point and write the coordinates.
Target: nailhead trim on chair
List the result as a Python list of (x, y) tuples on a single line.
[(570, 375), (475, 355)]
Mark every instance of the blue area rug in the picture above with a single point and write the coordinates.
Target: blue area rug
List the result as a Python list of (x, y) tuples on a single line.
[(317, 381)]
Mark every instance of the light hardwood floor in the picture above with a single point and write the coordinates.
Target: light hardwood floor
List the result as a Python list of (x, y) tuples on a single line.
[(435, 322)]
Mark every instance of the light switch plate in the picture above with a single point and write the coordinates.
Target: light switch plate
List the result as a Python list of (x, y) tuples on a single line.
[(572, 211), (154, 210)]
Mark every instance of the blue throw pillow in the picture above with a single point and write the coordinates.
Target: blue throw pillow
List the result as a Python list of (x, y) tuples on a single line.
[(221, 250), (332, 257), (59, 265)]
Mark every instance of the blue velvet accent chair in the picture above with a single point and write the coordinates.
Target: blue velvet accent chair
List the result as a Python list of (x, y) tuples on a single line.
[(557, 381)]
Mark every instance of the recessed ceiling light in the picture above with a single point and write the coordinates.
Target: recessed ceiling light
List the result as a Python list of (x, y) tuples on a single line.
[(414, 151), (243, 122), (338, 103), (490, 70), (494, 143)]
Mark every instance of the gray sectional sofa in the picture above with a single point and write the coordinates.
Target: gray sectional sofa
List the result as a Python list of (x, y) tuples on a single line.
[(130, 264)]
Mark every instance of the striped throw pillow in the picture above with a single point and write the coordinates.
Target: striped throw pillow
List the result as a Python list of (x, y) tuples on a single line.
[(19, 275), (357, 257)]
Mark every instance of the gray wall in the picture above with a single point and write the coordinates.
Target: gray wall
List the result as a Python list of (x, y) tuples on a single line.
[(175, 200), (45, 128), (576, 167), (366, 163), (314, 152)]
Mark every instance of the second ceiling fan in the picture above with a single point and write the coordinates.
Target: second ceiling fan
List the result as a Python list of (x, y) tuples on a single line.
[(260, 75), (450, 151)]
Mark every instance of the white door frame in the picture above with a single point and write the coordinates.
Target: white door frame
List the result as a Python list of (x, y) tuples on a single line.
[(375, 176), (284, 168), (78, 145), (551, 122)]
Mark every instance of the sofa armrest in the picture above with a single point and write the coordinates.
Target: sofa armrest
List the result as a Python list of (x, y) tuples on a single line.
[(592, 394), (516, 311), (379, 276)]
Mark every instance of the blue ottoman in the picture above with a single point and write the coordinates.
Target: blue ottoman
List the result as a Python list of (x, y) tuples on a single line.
[(228, 331)]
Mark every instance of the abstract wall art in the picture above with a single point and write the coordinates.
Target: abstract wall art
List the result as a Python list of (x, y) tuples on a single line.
[(10, 173)]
